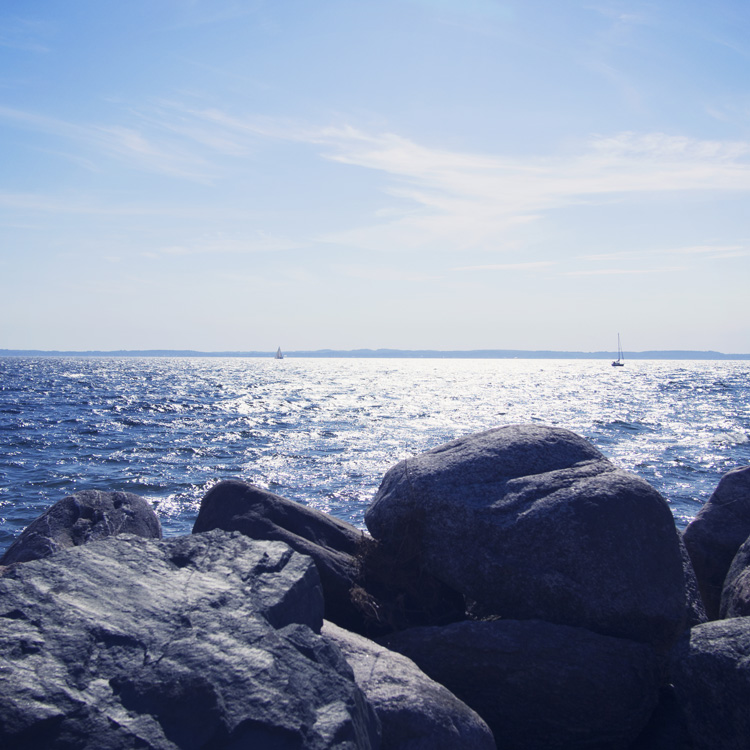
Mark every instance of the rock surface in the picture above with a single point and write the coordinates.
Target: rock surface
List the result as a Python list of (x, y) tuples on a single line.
[(415, 712), (233, 505), (80, 518), (533, 522), (717, 532), (711, 673), (365, 591), (735, 597), (696, 608), (540, 686), (200, 641)]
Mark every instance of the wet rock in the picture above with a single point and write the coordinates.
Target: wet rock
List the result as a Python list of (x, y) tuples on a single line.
[(533, 522), (201, 641), (717, 532), (81, 518), (540, 686), (415, 712), (710, 669)]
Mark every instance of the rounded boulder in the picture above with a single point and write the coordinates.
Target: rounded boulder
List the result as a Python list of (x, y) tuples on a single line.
[(533, 522)]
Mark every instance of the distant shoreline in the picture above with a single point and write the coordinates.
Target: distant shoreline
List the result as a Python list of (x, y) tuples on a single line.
[(386, 354)]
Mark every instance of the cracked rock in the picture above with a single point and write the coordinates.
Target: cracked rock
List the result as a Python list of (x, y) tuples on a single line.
[(203, 641)]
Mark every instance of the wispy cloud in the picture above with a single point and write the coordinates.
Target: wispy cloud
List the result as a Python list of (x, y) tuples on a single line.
[(259, 242), (530, 266), (369, 273), (130, 145), (711, 252), (436, 198), (471, 200), (24, 34), (623, 271), (86, 205)]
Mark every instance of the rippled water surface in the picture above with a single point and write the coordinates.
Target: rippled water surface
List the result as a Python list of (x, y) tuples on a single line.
[(324, 431)]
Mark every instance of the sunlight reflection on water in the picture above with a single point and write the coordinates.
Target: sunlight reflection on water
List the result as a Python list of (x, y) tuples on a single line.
[(324, 431)]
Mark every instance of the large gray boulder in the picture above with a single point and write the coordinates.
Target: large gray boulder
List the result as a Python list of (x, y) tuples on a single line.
[(200, 641), (710, 668), (233, 505), (534, 522), (540, 686), (80, 518), (415, 712), (716, 533)]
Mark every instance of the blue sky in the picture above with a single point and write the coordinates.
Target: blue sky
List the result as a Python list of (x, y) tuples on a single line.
[(234, 175)]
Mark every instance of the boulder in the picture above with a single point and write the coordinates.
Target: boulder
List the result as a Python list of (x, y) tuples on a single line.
[(80, 518), (716, 533), (533, 522), (415, 712), (200, 641), (710, 668), (540, 686), (735, 597)]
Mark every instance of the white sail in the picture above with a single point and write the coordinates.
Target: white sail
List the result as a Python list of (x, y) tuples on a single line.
[(620, 361)]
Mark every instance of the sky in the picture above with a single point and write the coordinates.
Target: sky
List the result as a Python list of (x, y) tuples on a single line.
[(411, 174)]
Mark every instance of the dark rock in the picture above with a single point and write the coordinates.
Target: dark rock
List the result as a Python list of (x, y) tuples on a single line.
[(538, 685), (364, 591), (711, 673), (415, 712), (81, 518), (261, 512), (717, 532), (666, 729), (533, 522), (735, 598), (201, 641), (394, 592), (696, 608), (333, 544)]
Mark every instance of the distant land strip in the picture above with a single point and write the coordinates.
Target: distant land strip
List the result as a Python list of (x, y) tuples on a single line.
[(385, 354)]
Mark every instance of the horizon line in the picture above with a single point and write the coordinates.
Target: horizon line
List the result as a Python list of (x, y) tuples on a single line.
[(383, 353)]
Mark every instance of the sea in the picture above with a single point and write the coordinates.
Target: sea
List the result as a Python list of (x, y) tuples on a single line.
[(324, 431)]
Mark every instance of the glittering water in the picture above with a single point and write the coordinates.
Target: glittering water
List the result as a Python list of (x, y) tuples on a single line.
[(324, 431)]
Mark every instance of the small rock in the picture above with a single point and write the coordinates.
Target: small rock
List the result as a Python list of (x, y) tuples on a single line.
[(84, 517)]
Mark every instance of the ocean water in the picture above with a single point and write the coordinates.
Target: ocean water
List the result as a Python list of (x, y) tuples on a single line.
[(324, 431)]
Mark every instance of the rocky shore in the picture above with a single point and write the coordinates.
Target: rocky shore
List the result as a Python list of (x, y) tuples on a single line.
[(515, 590)]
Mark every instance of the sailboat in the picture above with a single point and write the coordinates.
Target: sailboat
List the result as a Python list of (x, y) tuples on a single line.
[(279, 355), (620, 361)]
